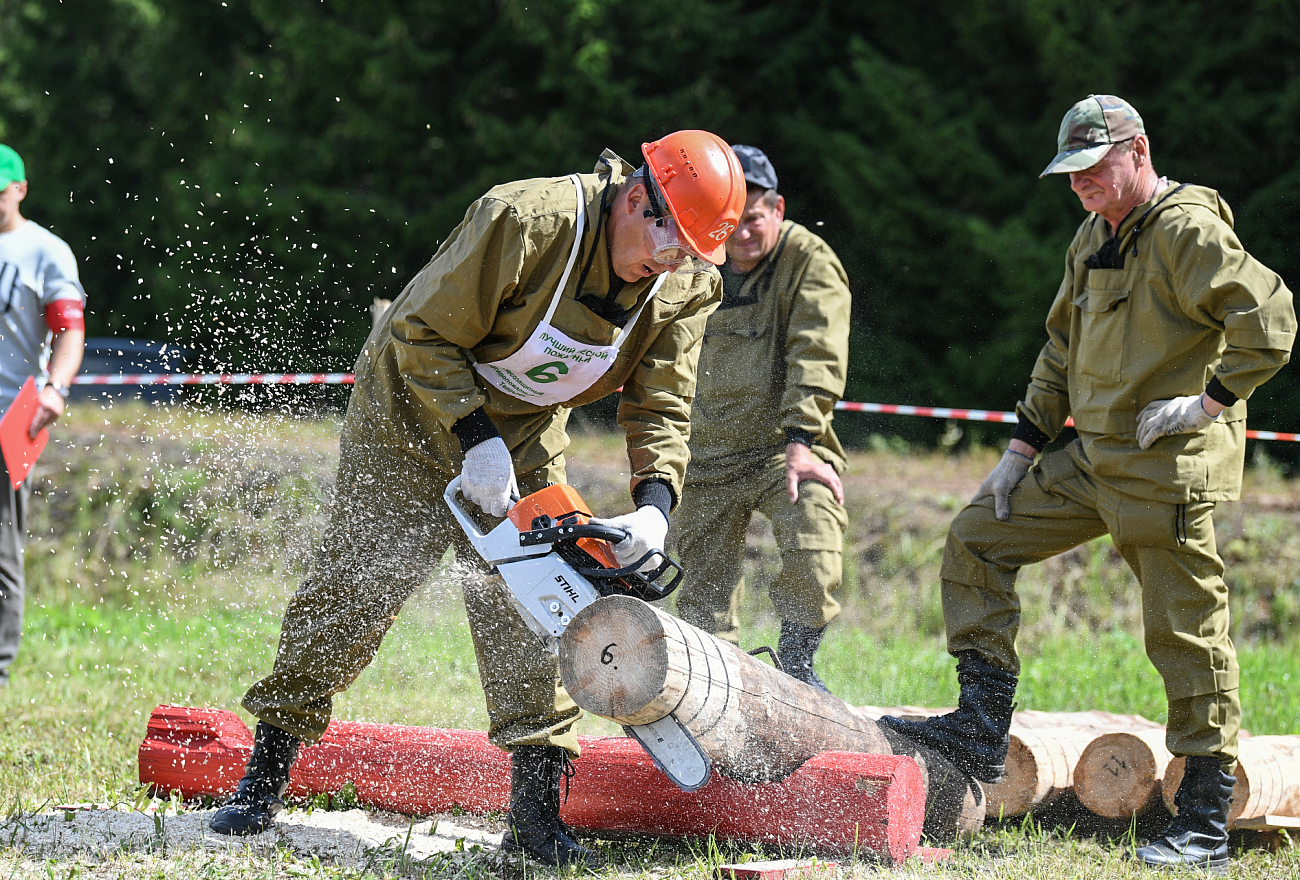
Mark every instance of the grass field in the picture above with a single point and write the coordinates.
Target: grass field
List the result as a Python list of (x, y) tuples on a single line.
[(164, 543)]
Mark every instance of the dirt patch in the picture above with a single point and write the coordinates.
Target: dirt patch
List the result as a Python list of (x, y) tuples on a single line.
[(349, 838)]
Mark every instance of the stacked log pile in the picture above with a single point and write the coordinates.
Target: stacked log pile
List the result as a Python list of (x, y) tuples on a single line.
[(1268, 782), (1117, 766)]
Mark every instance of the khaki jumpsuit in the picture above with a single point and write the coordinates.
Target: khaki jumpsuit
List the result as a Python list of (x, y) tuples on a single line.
[(1190, 311), (484, 291), (772, 366)]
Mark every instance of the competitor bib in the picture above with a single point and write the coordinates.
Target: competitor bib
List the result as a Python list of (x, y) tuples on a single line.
[(551, 366)]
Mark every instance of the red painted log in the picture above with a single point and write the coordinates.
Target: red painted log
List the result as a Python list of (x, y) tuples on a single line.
[(838, 802)]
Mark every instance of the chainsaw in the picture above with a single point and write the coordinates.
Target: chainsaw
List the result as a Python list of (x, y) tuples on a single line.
[(554, 562)]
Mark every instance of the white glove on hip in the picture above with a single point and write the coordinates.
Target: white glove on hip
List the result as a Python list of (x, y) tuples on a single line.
[(488, 476), (1005, 477), (1160, 418), (647, 529)]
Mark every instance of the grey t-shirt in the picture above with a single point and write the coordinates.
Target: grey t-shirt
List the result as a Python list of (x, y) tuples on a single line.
[(36, 268)]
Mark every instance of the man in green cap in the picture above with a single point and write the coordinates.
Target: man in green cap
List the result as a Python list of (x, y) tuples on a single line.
[(1162, 327), (771, 369), (42, 337)]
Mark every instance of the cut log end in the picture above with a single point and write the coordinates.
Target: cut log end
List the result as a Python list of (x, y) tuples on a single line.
[(1014, 795), (617, 665), (1120, 774)]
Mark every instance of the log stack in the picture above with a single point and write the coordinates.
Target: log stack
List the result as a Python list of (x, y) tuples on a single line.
[(1268, 782), (1117, 767), (1046, 748)]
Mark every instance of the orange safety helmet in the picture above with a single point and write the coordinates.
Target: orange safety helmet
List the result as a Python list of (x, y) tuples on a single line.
[(702, 181)]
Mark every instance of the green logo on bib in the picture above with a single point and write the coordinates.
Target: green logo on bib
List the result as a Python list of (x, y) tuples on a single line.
[(543, 372)]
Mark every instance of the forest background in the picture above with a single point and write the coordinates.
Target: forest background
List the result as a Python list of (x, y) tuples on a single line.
[(243, 178)]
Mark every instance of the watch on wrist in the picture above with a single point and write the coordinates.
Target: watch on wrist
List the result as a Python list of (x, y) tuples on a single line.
[(62, 389)]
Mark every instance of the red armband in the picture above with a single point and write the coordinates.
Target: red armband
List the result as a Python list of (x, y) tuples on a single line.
[(65, 314)]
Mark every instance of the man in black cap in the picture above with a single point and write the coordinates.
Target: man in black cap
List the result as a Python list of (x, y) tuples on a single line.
[(771, 369)]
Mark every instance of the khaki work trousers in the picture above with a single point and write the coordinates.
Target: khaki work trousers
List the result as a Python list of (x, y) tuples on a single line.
[(711, 523), (1170, 547), (389, 526)]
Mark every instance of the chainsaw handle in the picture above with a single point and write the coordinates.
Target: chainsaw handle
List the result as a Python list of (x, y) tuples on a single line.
[(645, 582), (571, 532), (450, 495), (490, 550)]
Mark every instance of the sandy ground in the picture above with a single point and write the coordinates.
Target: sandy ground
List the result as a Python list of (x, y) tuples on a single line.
[(350, 838)]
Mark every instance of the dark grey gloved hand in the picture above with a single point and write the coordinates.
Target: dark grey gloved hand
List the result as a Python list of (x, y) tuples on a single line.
[(999, 483)]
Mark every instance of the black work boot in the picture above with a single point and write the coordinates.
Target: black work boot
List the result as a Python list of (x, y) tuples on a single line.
[(976, 736), (795, 650), (1198, 836), (260, 795), (534, 827)]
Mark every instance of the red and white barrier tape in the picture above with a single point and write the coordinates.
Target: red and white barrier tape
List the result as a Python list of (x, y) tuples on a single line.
[(215, 379), (984, 415), (931, 412)]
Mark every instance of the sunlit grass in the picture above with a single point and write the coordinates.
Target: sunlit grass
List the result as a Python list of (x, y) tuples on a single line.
[(165, 544)]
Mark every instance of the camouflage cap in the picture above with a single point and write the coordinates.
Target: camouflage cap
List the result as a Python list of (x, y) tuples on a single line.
[(1090, 129)]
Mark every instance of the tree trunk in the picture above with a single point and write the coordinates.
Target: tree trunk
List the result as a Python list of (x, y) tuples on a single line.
[(1121, 774), (627, 661)]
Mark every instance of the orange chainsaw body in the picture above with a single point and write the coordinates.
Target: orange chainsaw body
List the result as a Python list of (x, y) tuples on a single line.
[(561, 502)]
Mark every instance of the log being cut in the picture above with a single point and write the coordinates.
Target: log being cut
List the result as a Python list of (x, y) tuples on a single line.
[(629, 662)]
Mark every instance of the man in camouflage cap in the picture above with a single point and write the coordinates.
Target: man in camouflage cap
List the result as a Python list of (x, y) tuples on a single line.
[(1161, 328), (772, 366)]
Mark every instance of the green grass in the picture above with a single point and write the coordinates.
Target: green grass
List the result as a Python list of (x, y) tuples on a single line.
[(166, 542)]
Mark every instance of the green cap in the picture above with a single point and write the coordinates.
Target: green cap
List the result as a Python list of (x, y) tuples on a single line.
[(1090, 129), (11, 166)]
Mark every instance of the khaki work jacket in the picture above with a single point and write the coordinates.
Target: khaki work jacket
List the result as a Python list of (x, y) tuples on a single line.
[(486, 290), (1189, 305), (775, 356)]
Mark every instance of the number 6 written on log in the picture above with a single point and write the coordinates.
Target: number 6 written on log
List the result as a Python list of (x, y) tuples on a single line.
[(606, 657)]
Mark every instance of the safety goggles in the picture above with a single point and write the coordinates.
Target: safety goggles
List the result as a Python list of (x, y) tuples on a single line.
[(668, 249), (667, 245)]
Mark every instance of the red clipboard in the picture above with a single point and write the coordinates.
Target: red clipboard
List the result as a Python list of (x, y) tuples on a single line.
[(21, 451)]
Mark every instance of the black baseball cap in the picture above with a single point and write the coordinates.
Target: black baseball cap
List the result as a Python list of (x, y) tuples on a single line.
[(757, 167)]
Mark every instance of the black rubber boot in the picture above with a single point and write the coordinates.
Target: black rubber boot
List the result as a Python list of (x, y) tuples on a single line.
[(260, 795), (535, 828), (1197, 837), (795, 650), (976, 736)]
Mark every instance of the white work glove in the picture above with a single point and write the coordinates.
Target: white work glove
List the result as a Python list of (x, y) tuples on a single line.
[(647, 529), (999, 483), (488, 476), (1160, 418)]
